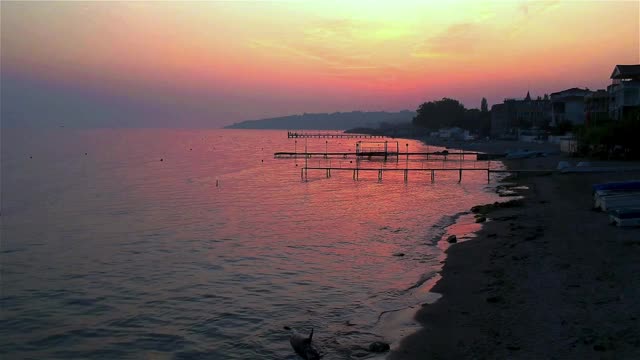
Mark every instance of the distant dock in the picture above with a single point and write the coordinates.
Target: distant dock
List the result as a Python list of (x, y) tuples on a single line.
[(296, 135), (453, 156)]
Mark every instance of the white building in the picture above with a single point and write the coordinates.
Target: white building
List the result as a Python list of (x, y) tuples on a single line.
[(568, 105), (453, 133), (624, 92)]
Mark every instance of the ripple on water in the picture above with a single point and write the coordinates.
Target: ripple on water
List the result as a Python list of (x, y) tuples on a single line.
[(134, 261), (138, 321), (156, 342), (199, 354)]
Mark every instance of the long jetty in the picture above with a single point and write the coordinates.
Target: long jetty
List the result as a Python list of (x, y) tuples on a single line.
[(437, 155), (304, 172), (295, 135)]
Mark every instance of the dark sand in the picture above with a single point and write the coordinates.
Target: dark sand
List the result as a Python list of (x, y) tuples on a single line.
[(546, 280)]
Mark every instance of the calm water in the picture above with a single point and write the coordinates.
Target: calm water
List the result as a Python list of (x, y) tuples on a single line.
[(108, 252)]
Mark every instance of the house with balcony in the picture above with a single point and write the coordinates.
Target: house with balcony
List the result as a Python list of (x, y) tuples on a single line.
[(624, 91), (568, 105)]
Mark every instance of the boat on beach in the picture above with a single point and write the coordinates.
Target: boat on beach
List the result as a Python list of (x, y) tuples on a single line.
[(600, 196), (625, 217), (615, 202), (621, 200), (618, 185)]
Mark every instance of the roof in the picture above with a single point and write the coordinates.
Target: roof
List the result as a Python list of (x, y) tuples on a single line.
[(626, 71), (572, 90), (598, 93)]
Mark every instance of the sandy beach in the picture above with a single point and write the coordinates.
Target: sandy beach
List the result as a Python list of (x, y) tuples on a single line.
[(547, 279)]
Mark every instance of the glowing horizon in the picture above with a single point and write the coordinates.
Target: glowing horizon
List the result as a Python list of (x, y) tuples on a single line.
[(230, 61)]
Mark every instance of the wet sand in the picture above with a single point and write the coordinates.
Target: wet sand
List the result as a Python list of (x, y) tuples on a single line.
[(547, 279)]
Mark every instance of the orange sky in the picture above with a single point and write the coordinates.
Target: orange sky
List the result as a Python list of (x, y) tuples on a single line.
[(229, 61)]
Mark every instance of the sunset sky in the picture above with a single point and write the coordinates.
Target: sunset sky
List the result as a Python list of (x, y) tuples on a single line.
[(186, 64)]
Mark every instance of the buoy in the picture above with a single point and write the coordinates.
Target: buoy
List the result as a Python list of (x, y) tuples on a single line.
[(85, 153), (216, 183), (161, 159)]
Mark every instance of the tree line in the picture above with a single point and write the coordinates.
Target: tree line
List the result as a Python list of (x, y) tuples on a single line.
[(448, 113)]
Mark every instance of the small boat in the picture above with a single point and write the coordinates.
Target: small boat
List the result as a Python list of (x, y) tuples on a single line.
[(599, 195), (609, 203), (599, 169), (620, 185), (625, 217)]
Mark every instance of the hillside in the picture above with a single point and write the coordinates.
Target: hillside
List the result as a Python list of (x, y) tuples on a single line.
[(325, 121)]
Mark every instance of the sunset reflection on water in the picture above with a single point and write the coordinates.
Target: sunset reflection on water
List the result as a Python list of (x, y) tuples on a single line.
[(190, 242)]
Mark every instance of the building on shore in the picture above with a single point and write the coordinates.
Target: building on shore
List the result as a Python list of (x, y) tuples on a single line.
[(455, 133), (624, 91), (568, 106), (596, 107), (514, 114)]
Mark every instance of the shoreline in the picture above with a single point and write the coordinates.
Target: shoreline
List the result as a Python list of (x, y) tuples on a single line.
[(398, 324), (538, 281)]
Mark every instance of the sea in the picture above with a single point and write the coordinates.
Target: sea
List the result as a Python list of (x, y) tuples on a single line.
[(200, 244)]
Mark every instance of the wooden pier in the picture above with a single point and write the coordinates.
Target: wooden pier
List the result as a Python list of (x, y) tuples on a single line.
[(304, 172), (295, 135), (438, 155)]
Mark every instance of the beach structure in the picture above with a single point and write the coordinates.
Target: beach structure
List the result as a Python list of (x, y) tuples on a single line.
[(432, 171), (437, 155), (328, 135), (624, 91), (377, 148)]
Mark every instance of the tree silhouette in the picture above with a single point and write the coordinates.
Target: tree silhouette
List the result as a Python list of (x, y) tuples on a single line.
[(484, 107), (440, 114)]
